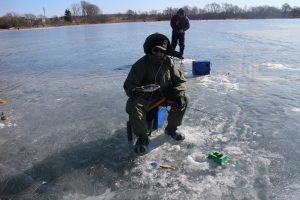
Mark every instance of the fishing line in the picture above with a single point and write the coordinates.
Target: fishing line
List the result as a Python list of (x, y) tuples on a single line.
[(196, 109)]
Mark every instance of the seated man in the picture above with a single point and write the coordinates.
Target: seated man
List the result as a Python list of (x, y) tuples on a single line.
[(156, 67)]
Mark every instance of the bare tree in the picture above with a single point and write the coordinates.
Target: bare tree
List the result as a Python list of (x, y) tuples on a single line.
[(227, 8), (169, 11), (11, 15), (286, 9), (230, 10), (89, 11), (84, 8), (187, 10), (92, 10), (130, 14), (213, 8), (30, 18), (76, 9), (296, 12), (194, 11), (153, 12), (262, 12), (12, 19)]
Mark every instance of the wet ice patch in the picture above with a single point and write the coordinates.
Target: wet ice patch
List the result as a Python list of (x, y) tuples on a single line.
[(219, 83), (2, 141), (291, 192), (208, 186), (8, 124), (187, 61), (295, 109), (276, 66), (292, 110)]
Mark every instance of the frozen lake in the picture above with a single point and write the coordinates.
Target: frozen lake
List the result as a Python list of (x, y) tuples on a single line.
[(65, 133)]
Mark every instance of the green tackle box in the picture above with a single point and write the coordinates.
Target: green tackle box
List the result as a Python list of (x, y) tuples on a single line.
[(218, 157)]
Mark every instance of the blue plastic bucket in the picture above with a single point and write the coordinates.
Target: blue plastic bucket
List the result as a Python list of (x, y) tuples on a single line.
[(159, 117), (201, 67)]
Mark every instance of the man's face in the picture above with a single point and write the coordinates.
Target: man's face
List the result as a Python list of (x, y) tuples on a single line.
[(158, 53)]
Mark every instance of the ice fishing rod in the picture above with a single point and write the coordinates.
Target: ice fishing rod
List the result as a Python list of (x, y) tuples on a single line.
[(153, 87)]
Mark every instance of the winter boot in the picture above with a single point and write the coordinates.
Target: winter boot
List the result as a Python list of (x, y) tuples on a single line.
[(141, 145), (174, 134), (181, 56)]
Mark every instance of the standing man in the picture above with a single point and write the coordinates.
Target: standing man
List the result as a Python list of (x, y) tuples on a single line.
[(156, 67), (179, 23)]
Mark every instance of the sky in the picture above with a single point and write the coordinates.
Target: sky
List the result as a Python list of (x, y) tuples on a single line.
[(58, 7)]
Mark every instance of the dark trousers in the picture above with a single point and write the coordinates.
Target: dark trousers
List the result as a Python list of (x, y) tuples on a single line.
[(135, 107), (178, 37)]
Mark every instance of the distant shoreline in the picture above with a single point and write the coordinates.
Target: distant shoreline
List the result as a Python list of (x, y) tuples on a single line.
[(119, 22), (88, 13), (79, 24)]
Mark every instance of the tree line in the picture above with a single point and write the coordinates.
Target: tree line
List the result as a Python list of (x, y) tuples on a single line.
[(85, 12)]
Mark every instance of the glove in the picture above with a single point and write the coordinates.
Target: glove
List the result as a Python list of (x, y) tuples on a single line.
[(181, 103)]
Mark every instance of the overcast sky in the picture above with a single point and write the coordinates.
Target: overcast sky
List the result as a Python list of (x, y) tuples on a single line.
[(57, 7)]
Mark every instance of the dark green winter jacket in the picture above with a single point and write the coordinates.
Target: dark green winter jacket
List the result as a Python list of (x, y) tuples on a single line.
[(146, 71)]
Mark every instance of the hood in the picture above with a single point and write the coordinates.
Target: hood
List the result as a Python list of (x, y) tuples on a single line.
[(180, 12)]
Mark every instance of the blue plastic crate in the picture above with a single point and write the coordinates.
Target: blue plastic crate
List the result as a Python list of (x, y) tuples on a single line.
[(201, 67), (159, 116)]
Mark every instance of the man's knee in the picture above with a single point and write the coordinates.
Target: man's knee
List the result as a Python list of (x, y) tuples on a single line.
[(135, 109)]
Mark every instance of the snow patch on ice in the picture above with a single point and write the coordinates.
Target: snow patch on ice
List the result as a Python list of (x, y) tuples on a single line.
[(264, 161), (192, 165), (219, 138), (276, 65), (195, 135), (220, 83), (174, 148), (291, 192), (233, 150), (107, 195)]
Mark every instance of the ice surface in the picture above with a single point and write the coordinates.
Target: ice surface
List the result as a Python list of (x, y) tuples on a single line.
[(65, 136)]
